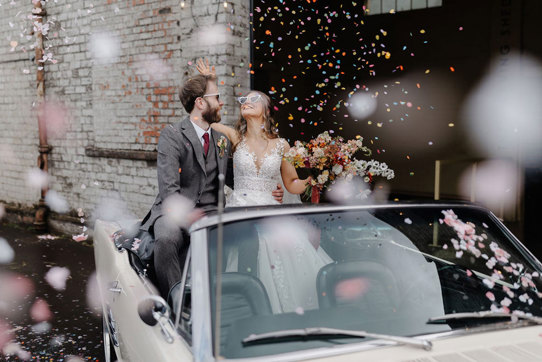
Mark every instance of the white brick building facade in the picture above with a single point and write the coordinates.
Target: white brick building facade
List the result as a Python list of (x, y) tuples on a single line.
[(114, 108)]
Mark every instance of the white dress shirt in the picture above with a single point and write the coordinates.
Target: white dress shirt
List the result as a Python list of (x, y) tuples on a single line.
[(200, 131)]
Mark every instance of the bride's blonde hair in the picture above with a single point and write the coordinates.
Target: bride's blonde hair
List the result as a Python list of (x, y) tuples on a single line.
[(268, 123)]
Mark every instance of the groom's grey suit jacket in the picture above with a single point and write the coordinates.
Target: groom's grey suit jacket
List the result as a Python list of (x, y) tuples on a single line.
[(181, 165)]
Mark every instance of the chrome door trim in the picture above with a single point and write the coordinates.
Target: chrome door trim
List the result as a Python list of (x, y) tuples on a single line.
[(202, 345)]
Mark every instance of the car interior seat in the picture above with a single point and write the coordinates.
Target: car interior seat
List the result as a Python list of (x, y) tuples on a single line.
[(243, 296), (368, 285)]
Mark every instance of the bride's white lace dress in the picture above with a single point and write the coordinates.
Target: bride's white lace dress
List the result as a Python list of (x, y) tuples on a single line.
[(287, 261)]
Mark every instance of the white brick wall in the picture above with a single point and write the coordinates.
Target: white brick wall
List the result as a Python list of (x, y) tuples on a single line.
[(113, 106), (18, 123)]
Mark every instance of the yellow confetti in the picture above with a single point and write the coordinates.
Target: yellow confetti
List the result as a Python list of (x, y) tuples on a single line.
[(451, 124), (422, 31), (427, 71)]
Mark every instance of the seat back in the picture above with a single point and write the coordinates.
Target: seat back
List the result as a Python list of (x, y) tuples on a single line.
[(368, 285), (243, 296)]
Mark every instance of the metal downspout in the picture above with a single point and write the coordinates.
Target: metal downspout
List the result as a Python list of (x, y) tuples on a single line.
[(38, 12)]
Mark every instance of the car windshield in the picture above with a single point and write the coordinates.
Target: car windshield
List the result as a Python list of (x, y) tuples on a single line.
[(384, 270)]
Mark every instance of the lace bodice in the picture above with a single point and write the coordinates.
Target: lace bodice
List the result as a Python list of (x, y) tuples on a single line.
[(249, 173)]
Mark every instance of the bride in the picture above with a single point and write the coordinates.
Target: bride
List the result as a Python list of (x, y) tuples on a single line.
[(287, 267), (288, 263)]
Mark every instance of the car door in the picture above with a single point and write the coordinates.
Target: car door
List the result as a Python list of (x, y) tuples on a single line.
[(122, 289)]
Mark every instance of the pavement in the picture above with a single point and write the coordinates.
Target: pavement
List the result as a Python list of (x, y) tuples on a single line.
[(45, 321)]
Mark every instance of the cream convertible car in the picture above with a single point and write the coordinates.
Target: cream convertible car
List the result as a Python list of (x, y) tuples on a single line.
[(401, 282)]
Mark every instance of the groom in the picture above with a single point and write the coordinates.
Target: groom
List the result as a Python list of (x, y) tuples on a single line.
[(191, 155)]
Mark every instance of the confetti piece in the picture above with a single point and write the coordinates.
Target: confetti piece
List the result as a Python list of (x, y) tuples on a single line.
[(80, 237), (6, 252), (490, 296), (57, 276)]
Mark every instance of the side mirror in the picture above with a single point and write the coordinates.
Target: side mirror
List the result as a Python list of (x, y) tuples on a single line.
[(153, 308)]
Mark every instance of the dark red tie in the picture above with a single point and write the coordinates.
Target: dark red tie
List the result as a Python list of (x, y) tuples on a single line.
[(205, 143)]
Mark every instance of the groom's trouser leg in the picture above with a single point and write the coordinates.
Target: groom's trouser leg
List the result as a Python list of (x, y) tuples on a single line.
[(170, 248)]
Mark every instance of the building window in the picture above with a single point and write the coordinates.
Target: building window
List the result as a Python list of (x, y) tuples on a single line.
[(375, 7)]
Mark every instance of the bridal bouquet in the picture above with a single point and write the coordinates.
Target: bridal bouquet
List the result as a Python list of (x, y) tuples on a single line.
[(329, 158)]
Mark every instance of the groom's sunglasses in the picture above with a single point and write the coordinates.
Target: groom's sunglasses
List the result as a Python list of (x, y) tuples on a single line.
[(217, 95), (251, 99)]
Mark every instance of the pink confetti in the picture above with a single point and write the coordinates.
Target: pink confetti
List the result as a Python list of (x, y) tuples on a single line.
[(490, 296), (55, 115), (80, 237), (5, 334), (351, 289), (40, 311)]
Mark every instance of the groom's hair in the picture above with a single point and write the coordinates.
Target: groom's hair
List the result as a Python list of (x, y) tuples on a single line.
[(193, 88)]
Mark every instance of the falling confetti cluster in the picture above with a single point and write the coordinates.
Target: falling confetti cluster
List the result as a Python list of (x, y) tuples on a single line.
[(44, 314), (326, 55), (499, 262)]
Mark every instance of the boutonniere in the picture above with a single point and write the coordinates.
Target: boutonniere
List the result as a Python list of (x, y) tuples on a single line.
[(222, 143)]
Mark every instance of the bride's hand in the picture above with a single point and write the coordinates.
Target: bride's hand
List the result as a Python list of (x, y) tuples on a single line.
[(307, 181), (278, 193), (204, 68)]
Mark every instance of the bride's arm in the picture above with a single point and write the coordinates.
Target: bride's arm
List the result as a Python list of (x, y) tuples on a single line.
[(228, 131), (291, 181)]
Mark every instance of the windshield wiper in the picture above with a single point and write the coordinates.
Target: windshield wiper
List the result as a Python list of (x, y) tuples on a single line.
[(316, 331), (483, 314)]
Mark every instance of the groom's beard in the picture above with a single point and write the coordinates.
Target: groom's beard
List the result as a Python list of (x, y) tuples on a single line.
[(211, 115)]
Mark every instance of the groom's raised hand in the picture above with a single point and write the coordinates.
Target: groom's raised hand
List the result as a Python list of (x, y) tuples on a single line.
[(278, 193)]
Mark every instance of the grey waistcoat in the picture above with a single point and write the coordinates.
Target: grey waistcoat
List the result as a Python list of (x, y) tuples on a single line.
[(209, 194)]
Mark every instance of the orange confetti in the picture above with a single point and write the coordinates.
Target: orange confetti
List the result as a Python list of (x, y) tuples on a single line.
[(268, 32), (418, 85), (452, 69), (179, 170)]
